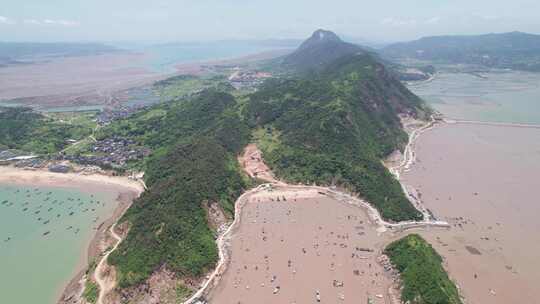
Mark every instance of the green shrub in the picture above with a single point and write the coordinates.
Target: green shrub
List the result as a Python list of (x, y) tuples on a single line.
[(424, 279)]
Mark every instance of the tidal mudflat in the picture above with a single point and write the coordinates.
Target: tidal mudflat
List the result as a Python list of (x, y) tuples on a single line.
[(73, 81), (483, 180), (294, 245), (47, 222), (499, 96)]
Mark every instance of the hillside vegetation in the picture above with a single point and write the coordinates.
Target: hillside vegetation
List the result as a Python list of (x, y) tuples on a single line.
[(424, 279), (197, 141), (24, 129), (334, 127), (515, 50)]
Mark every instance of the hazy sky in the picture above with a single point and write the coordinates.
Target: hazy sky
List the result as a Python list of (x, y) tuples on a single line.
[(181, 20)]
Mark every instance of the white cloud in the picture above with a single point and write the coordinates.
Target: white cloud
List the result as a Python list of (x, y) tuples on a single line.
[(490, 17), (398, 22), (57, 22), (433, 20), (6, 20), (61, 22), (31, 21)]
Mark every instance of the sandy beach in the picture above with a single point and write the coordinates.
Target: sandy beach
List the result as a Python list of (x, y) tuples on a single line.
[(124, 189), (482, 179), (83, 182)]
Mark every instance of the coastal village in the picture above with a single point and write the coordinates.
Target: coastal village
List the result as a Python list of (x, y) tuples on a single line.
[(364, 273), (247, 79), (116, 152), (205, 153)]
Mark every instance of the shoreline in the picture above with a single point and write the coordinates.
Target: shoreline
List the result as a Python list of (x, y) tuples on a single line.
[(75, 287), (492, 215), (126, 191), (493, 123), (224, 240), (43, 177), (307, 200)]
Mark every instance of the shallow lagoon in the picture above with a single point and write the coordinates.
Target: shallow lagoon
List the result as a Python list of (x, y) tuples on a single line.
[(504, 96), (44, 234)]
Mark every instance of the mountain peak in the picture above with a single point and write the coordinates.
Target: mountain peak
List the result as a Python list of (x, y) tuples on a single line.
[(320, 36), (324, 35), (320, 49)]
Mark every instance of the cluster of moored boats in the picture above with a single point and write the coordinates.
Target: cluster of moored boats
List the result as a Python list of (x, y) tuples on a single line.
[(76, 203)]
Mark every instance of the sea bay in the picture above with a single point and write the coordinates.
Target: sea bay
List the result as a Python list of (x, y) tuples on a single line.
[(482, 179), (45, 229)]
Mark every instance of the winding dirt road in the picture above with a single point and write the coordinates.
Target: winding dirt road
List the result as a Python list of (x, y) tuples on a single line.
[(105, 285)]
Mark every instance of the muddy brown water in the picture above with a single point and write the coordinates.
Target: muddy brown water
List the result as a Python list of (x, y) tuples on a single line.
[(285, 251), (483, 180)]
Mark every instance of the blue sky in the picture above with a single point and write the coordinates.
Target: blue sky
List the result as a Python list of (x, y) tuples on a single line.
[(188, 20)]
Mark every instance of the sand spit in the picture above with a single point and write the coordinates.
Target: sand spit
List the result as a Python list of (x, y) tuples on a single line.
[(493, 124), (482, 179)]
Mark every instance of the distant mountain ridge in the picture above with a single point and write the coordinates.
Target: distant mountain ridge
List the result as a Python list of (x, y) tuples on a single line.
[(514, 50), (320, 49)]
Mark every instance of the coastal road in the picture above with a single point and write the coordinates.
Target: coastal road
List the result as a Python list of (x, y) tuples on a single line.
[(223, 241), (105, 286)]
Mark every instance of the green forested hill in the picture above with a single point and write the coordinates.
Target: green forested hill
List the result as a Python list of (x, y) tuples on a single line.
[(27, 130), (196, 142), (330, 126), (334, 127), (320, 49), (424, 279), (168, 222), (514, 50)]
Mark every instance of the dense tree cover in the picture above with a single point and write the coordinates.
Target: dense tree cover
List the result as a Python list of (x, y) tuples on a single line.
[(166, 125), (334, 127), (424, 279), (24, 129), (168, 223), (197, 141)]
